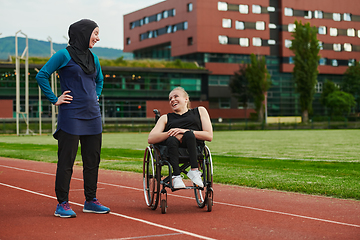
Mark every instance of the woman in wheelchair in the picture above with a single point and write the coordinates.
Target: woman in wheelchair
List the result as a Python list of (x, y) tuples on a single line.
[(185, 128)]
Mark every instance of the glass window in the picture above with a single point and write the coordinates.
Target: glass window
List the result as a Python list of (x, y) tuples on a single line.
[(347, 47), (226, 23), (244, 42), (146, 20), (288, 43), (158, 17), (185, 25), (222, 6), (155, 33), (351, 32), (132, 25), (260, 25), (288, 12), (271, 42), (337, 17), (351, 62), (165, 14), (271, 9), (291, 27), (334, 62), (272, 26), (333, 32), (243, 9), (318, 87), (321, 45), (150, 34), (308, 15), (169, 28), (337, 47), (239, 25), (256, 9), (190, 7), (318, 14), (224, 102), (322, 30), (128, 41), (291, 60), (256, 41), (358, 33), (141, 22), (223, 39), (322, 61), (174, 28), (347, 17)]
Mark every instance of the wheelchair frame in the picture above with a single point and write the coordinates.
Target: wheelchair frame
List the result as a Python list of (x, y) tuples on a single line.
[(155, 184)]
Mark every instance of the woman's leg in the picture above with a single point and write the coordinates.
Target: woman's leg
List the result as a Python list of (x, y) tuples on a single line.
[(90, 153), (189, 141), (173, 150), (67, 149)]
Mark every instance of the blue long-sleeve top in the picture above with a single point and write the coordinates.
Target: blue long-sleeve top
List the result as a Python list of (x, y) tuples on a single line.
[(81, 116)]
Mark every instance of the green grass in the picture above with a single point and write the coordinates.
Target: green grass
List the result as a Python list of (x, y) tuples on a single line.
[(321, 162)]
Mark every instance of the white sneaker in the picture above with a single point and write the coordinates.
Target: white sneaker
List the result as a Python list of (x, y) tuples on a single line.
[(195, 177), (178, 182)]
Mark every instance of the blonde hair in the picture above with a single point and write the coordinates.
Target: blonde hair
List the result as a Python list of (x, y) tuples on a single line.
[(185, 94)]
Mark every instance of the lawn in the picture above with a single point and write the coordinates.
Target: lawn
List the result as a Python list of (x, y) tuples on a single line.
[(322, 162)]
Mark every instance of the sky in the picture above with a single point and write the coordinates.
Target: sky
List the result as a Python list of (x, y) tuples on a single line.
[(41, 19)]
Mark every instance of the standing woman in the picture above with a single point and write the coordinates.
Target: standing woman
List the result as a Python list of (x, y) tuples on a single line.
[(79, 118), (185, 128)]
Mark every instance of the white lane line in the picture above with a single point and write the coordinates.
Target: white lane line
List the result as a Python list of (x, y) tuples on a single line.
[(148, 236), (116, 214), (222, 203)]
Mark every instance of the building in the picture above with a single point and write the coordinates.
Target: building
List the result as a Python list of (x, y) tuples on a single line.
[(220, 35)]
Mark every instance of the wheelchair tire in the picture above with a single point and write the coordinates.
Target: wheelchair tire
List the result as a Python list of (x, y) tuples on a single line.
[(163, 206), (151, 184)]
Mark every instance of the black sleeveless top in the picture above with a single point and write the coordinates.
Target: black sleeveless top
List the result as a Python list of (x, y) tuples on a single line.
[(189, 120)]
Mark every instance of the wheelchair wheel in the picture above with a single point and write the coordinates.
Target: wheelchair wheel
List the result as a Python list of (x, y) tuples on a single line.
[(163, 206), (150, 182)]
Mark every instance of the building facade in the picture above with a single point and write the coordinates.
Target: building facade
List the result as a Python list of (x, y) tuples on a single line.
[(220, 35)]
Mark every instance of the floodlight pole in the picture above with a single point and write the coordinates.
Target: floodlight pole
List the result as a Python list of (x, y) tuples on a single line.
[(40, 107), (26, 53), (53, 88)]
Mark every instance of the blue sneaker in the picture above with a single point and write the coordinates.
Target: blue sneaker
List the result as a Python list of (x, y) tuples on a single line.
[(64, 210), (95, 207)]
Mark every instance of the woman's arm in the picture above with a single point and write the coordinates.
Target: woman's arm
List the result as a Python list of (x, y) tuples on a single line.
[(157, 134), (207, 131)]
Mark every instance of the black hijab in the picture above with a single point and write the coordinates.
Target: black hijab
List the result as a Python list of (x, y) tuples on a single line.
[(79, 34)]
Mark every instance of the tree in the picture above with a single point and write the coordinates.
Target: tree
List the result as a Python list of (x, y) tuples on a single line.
[(258, 82), (239, 86), (329, 87), (305, 46), (351, 82), (340, 103)]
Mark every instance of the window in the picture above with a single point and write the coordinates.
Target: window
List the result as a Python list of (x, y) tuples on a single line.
[(351, 32), (271, 9), (146, 20), (351, 62), (132, 25), (291, 27), (226, 23), (334, 63), (318, 14), (256, 41), (322, 61), (256, 9), (239, 25), (223, 39), (291, 60), (321, 45), (358, 33), (288, 12), (322, 30), (243, 9), (155, 33), (224, 102), (337, 17), (165, 14), (318, 87), (174, 28), (271, 42), (172, 12), (222, 6), (158, 17), (168, 29), (244, 42), (260, 25), (150, 34), (190, 41), (307, 14), (347, 17), (141, 22), (288, 43), (128, 41), (337, 47), (185, 25), (272, 26), (333, 32), (190, 7), (347, 47)]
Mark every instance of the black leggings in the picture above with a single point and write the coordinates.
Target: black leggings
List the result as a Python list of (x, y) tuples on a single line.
[(173, 144), (90, 153)]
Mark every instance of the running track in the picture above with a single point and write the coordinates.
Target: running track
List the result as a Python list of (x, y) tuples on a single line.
[(27, 205)]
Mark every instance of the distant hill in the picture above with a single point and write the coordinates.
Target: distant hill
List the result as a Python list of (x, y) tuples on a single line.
[(38, 48)]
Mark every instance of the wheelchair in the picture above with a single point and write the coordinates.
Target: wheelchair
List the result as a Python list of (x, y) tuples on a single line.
[(155, 183)]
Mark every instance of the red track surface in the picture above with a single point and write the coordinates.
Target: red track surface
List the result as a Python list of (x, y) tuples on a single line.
[(27, 205)]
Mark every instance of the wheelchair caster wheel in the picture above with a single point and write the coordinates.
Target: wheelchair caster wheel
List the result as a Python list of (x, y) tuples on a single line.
[(209, 200), (163, 206)]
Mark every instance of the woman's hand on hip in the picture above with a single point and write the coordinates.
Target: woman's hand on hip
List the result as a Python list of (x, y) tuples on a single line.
[(64, 98)]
